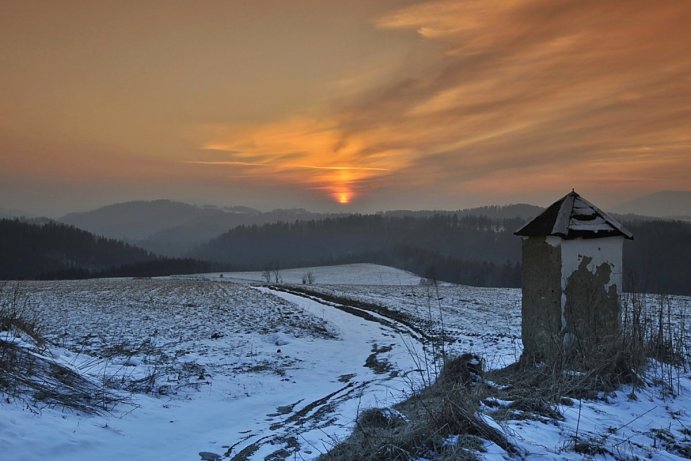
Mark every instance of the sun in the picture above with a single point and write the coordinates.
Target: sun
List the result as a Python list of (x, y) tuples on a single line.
[(343, 198)]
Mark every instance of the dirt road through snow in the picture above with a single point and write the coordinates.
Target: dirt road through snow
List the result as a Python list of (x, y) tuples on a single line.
[(373, 363)]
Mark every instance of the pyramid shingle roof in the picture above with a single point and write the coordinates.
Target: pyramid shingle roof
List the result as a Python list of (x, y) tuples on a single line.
[(572, 217)]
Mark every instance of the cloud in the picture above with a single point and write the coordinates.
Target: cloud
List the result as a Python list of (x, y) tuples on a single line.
[(305, 151), (525, 95), (286, 166)]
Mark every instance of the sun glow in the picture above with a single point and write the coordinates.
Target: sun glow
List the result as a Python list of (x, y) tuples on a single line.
[(315, 154), (343, 198)]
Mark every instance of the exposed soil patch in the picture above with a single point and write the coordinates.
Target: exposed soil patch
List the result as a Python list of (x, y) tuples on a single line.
[(375, 363)]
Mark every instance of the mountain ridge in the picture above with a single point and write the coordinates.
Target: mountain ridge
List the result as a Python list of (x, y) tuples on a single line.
[(668, 204), (173, 228), (176, 229)]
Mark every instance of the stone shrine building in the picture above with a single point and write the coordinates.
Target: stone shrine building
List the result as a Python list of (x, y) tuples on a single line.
[(572, 278)]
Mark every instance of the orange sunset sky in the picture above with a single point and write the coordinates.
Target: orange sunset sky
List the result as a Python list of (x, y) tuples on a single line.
[(358, 105)]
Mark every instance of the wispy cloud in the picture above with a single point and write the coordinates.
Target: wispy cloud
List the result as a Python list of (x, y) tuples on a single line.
[(222, 162), (523, 95), (305, 151), (287, 166)]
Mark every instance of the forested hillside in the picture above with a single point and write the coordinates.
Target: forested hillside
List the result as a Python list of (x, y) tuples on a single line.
[(658, 259), (173, 229), (474, 250), (466, 249), (53, 250)]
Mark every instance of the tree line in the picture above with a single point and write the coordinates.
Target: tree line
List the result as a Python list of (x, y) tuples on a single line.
[(453, 247), (458, 248), (473, 250), (59, 251)]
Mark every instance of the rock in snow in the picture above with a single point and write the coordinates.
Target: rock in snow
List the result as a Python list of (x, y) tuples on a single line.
[(209, 456)]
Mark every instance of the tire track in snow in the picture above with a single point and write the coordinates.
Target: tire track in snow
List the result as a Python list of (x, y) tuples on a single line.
[(314, 415), (288, 427), (374, 313)]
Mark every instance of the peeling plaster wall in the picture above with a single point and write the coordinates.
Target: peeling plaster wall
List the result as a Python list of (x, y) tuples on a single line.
[(570, 292), (591, 280), (603, 250), (541, 307), (591, 312)]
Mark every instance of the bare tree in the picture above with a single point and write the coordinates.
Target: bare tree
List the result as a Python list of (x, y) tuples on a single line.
[(308, 278), (266, 275), (277, 273)]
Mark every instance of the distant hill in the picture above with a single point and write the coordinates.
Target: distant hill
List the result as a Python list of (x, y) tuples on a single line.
[(55, 250), (179, 240), (141, 219), (172, 228), (458, 247), (658, 259), (520, 210), (664, 204), (483, 234)]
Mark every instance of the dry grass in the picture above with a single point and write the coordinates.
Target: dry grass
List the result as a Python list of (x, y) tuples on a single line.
[(28, 372), (440, 422), (27, 375), (15, 316), (649, 347), (652, 340)]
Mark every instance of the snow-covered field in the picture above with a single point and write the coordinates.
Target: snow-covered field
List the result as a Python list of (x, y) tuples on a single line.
[(351, 274), (210, 363)]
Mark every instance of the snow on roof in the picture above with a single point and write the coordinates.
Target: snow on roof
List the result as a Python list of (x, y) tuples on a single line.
[(572, 217)]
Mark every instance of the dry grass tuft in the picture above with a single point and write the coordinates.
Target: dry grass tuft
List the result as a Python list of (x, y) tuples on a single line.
[(650, 341), (28, 372), (15, 316), (440, 422)]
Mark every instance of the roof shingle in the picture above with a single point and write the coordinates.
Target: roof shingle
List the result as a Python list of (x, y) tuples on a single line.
[(572, 217)]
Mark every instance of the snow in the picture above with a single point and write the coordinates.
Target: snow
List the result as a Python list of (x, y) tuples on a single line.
[(587, 217), (237, 367), (349, 274), (625, 428), (223, 390)]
